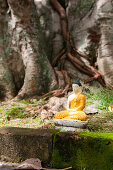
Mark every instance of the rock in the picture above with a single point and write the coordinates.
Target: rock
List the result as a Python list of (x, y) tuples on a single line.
[(71, 123), (73, 129), (44, 114), (57, 103), (32, 163), (76, 149), (91, 109), (7, 166), (22, 143)]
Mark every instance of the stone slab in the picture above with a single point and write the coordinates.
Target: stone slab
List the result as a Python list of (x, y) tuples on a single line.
[(7, 166), (69, 129), (19, 144), (70, 123), (91, 109), (65, 149), (83, 152)]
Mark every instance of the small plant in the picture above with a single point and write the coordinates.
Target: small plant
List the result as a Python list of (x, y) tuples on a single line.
[(103, 98), (25, 101), (37, 101), (96, 125), (16, 112)]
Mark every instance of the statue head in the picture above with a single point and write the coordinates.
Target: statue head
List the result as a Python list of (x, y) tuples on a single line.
[(77, 87)]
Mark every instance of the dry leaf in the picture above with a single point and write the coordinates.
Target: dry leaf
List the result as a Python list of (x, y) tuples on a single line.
[(29, 106)]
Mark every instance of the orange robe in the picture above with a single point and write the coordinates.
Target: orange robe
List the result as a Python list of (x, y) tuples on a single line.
[(77, 104)]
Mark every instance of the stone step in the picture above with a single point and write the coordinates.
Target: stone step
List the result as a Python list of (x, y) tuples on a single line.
[(19, 144), (81, 150), (71, 123)]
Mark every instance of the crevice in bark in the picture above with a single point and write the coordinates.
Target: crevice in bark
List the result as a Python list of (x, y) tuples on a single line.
[(2, 93), (62, 3)]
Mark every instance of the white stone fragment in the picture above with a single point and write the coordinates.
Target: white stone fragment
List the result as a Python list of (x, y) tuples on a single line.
[(73, 129), (70, 123), (91, 109)]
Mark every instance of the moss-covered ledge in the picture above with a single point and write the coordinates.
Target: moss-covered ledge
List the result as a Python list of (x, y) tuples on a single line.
[(96, 135), (88, 151)]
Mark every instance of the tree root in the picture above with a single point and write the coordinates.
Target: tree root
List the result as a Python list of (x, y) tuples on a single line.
[(57, 57), (59, 92), (82, 55), (67, 78), (70, 52), (55, 93)]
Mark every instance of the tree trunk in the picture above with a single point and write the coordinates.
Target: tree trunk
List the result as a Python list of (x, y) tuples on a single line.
[(72, 52), (7, 87), (36, 74), (105, 50), (29, 30)]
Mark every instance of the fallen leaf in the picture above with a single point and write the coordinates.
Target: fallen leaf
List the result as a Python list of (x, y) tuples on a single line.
[(110, 108), (29, 106)]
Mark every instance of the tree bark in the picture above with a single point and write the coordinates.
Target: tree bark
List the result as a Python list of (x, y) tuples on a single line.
[(7, 86), (77, 62), (25, 69), (39, 75)]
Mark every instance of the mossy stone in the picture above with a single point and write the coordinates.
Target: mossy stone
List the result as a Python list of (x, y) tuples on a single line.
[(83, 151)]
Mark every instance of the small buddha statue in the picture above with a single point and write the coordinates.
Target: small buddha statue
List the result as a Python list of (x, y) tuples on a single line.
[(75, 105)]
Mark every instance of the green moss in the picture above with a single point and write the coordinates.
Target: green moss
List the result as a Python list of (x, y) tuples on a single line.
[(83, 153), (97, 135), (86, 4), (103, 97), (56, 159), (8, 76), (18, 160), (16, 112), (9, 79), (55, 153), (81, 8), (54, 132), (25, 101)]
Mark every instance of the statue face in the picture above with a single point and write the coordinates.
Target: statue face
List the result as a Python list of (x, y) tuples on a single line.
[(76, 88)]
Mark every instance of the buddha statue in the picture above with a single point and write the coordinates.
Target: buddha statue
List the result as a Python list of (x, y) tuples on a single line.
[(75, 105)]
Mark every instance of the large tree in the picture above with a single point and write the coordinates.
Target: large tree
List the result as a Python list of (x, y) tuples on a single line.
[(26, 49), (25, 68)]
